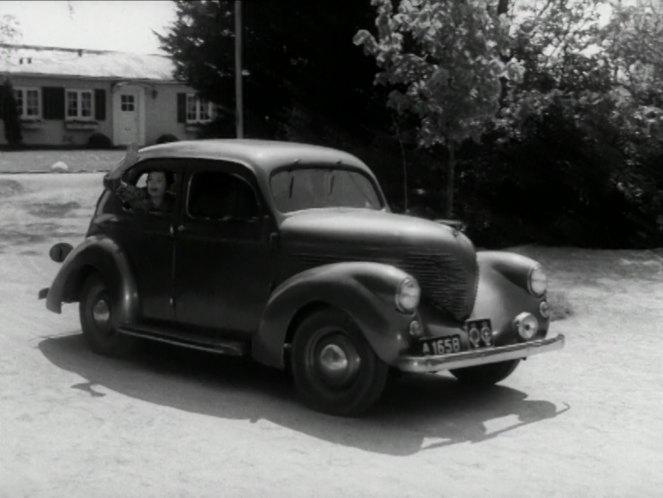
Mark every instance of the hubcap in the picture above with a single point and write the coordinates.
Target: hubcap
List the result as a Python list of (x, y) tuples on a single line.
[(333, 359), (337, 362), (101, 313)]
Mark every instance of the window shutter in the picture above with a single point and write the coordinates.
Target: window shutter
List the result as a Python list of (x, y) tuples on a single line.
[(181, 107), (53, 102), (99, 104)]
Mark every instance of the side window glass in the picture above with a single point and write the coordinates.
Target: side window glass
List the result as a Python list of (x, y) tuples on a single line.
[(221, 196), (148, 190)]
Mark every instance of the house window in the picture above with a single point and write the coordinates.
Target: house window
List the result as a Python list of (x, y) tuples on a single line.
[(79, 104), (127, 103), (197, 109), (28, 103)]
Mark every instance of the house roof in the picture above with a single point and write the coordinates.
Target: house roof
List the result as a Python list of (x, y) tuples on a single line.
[(53, 61)]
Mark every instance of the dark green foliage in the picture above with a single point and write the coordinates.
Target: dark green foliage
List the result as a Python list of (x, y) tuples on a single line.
[(566, 162), (99, 141), (560, 184), (9, 114), (166, 138), (299, 60)]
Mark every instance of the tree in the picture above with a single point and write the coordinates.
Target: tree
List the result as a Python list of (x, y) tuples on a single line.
[(301, 69), (587, 108), (443, 61), (9, 32), (9, 114)]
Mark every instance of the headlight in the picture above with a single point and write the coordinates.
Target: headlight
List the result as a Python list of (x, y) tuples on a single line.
[(538, 281), (407, 296)]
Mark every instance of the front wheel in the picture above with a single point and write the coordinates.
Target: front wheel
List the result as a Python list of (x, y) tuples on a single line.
[(486, 375), (334, 368), (97, 308)]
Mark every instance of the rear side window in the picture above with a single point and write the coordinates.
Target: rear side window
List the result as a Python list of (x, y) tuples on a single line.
[(216, 195)]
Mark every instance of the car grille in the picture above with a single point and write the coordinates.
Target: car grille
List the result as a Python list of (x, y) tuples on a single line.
[(447, 283)]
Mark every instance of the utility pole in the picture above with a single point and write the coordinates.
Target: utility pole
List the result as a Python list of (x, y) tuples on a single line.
[(239, 104)]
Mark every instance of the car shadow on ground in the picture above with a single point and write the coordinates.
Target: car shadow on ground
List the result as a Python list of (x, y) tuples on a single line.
[(417, 412)]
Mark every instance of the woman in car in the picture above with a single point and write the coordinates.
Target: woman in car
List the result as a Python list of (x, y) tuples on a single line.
[(154, 197)]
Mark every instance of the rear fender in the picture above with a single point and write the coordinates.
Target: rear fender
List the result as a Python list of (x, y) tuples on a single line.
[(365, 291), (96, 254)]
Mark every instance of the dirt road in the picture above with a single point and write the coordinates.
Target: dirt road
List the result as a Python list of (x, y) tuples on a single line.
[(585, 421)]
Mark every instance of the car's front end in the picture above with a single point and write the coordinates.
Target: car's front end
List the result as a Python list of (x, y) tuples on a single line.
[(457, 308), (509, 320)]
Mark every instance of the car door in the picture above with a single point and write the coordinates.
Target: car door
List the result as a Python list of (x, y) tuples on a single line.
[(147, 238), (222, 262)]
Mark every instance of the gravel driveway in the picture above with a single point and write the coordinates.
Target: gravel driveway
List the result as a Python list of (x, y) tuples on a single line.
[(586, 420)]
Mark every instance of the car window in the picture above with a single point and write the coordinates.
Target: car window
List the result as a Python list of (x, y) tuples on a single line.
[(149, 188), (217, 195), (307, 188)]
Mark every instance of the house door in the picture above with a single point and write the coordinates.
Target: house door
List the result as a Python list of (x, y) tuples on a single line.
[(128, 115)]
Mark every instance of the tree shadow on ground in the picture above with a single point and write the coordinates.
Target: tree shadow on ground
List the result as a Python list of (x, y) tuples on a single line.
[(417, 412)]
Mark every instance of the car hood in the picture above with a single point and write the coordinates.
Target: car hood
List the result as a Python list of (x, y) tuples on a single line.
[(441, 258)]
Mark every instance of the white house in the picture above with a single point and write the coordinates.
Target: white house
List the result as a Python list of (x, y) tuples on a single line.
[(65, 95)]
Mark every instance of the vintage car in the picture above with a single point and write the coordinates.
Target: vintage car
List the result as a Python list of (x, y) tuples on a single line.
[(288, 253)]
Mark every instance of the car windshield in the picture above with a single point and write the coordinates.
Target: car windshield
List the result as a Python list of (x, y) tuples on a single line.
[(309, 188)]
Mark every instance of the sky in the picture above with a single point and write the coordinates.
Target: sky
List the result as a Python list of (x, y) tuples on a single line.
[(104, 25)]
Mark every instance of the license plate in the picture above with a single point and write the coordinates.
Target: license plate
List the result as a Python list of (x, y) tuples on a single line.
[(479, 333), (441, 345)]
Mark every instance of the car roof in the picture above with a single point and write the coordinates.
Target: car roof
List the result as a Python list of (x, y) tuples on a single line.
[(262, 156)]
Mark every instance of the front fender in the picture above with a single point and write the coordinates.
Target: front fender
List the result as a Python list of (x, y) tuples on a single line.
[(502, 293), (365, 291), (96, 254)]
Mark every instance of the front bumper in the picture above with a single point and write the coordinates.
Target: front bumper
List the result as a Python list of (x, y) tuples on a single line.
[(421, 364)]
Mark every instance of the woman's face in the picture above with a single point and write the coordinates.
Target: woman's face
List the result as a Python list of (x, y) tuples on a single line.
[(156, 184)]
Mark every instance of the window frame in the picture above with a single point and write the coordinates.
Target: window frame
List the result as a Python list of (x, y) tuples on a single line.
[(79, 101), (322, 166), (201, 170), (23, 115), (126, 102), (199, 105), (134, 173)]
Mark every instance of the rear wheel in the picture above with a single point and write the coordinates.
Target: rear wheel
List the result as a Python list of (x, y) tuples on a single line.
[(97, 310), (486, 375), (334, 368)]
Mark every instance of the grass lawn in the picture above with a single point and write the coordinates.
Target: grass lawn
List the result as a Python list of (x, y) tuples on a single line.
[(23, 161)]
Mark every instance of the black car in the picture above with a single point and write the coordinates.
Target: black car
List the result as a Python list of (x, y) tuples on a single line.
[(289, 254)]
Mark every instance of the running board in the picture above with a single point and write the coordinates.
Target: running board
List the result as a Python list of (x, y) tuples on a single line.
[(190, 340)]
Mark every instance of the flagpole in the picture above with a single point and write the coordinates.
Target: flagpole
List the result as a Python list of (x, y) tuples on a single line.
[(239, 104)]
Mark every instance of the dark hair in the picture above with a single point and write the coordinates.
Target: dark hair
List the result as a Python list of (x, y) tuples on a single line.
[(170, 177)]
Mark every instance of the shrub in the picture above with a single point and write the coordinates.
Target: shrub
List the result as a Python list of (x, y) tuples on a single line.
[(9, 114), (99, 141), (166, 138)]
